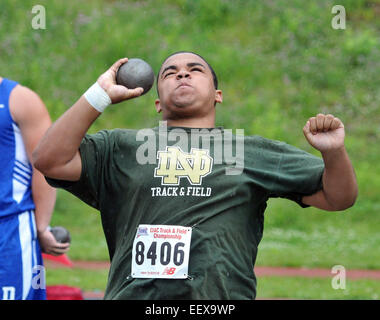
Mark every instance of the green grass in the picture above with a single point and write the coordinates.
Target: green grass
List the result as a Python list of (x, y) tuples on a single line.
[(267, 287), (278, 63), (87, 280), (84, 224), (313, 238), (316, 289)]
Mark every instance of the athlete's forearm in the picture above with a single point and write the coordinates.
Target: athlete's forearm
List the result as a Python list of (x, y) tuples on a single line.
[(61, 142), (326, 133), (339, 181), (57, 155), (44, 198)]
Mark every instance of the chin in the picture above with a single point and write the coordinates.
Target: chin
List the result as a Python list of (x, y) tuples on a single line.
[(183, 110), (183, 103)]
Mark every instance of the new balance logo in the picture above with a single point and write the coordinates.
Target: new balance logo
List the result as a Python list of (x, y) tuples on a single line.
[(168, 271)]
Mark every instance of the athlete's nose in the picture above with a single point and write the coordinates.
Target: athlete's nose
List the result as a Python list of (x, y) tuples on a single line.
[(183, 74)]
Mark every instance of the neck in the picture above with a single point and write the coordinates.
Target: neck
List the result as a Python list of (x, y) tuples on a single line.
[(191, 123), (190, 117)]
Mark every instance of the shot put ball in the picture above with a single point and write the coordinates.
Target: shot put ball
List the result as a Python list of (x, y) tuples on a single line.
[(61, 234), (135, 73)]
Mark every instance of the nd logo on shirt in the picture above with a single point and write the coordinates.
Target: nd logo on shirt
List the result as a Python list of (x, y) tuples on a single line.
[(175, 164)]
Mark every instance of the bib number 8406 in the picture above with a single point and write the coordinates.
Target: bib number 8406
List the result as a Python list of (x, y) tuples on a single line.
[(165, 253), (161, 251)]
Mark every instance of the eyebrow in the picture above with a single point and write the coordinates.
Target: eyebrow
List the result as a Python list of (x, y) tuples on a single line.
[(190, 64)]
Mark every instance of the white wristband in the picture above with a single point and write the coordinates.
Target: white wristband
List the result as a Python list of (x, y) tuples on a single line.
[(97, 97)]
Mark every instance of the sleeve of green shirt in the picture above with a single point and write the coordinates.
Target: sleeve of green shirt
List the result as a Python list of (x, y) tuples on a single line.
[(95, 153), (283, 170)]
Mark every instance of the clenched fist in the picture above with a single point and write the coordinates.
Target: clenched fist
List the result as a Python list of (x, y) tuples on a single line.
[(324, 132)]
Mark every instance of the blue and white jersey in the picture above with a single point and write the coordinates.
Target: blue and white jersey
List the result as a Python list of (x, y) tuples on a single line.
[(20, 253), (15, 168)]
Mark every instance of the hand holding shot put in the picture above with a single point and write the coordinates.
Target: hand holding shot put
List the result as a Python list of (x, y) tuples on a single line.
[(117, 92), (70, 129), (54, 241), (133, 198)]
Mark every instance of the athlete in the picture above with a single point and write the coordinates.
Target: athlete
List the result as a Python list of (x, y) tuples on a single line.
[(26, 200), (185, 221)]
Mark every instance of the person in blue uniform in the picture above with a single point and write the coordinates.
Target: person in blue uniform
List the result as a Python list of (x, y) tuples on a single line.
[(26, 200)]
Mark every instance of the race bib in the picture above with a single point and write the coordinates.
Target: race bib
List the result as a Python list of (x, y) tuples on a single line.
[(161, 251)]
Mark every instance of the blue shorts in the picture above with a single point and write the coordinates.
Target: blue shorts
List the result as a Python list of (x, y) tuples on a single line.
[(22, 275)]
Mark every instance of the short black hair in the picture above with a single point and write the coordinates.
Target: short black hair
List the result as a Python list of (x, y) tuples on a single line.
[(214, 77)]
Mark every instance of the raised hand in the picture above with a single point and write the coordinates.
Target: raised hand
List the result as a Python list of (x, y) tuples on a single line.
[(325, 132), (117, 93)]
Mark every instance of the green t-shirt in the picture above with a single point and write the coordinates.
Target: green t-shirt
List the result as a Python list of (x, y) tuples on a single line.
[(225, 211)]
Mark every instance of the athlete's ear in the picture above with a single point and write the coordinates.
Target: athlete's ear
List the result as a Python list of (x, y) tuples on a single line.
[(218, 96), (158, 105)]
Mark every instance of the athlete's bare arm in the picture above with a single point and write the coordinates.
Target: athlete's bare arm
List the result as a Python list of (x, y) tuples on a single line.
[(57, 155), (326, 134), (31, 116)]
